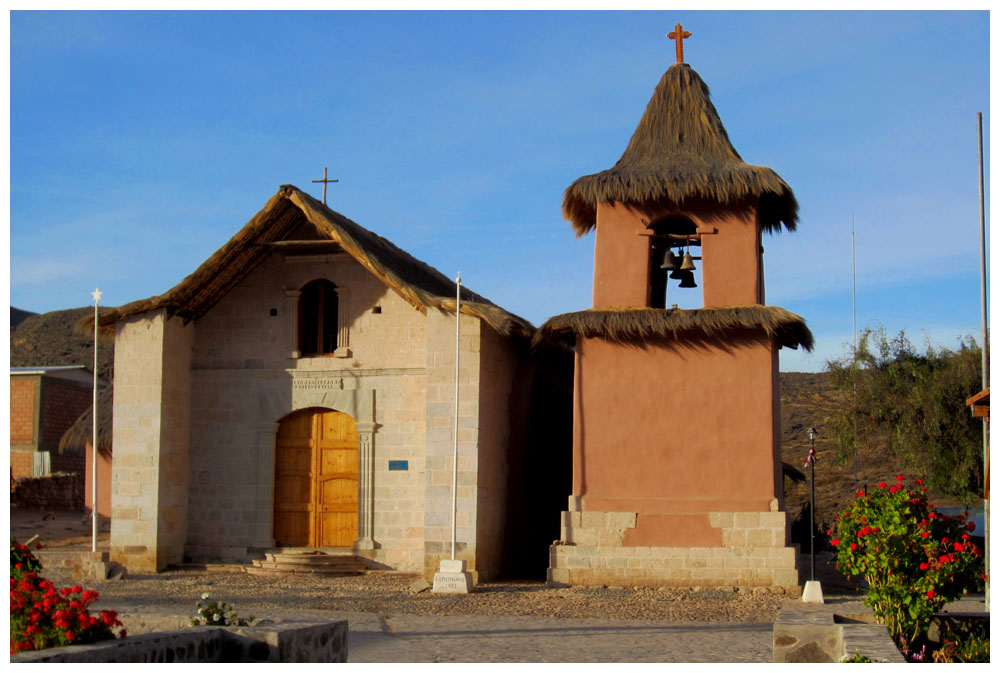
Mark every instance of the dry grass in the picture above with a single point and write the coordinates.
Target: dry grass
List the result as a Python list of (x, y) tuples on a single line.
[(681, 151)]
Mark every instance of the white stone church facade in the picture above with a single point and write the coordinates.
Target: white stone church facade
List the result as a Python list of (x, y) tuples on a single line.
[(306, 345)]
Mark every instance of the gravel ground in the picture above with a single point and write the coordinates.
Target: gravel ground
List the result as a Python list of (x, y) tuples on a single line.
[(390, 593)]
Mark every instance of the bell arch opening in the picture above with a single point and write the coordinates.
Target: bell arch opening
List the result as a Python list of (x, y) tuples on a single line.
[(674, 250)]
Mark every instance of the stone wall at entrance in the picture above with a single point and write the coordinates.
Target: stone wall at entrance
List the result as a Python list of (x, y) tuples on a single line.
[(754, 552)]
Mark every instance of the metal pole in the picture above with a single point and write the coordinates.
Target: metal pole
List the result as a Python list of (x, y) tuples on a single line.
[(454, 475), (854, 328), (812, 513), (93, 447), (985, 352)]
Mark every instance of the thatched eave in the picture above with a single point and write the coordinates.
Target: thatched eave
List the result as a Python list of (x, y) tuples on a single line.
[(681, 152), (629, 325), (415, 281)]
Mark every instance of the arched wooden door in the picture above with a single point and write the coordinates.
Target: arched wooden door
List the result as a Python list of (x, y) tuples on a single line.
[(316, 480)]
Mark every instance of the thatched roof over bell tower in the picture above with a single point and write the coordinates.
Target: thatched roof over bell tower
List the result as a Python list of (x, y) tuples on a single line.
[(680, 151)]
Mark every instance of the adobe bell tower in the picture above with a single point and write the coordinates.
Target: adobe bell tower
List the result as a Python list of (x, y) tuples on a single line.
[(677, 474)]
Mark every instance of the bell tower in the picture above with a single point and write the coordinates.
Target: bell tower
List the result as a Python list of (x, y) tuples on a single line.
[(677, 475)]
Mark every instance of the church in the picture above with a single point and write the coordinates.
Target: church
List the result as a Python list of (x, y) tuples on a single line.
[(297, 389)]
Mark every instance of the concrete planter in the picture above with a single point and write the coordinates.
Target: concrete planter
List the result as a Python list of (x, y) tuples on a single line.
[(298, 642)]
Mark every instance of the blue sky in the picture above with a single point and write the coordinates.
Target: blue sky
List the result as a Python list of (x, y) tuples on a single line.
[(140, 142)]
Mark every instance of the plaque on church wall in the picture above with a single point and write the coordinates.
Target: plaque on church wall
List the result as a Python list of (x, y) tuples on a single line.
[(399, 465)]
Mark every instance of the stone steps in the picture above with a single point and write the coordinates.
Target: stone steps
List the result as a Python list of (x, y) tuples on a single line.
[(308, 562)]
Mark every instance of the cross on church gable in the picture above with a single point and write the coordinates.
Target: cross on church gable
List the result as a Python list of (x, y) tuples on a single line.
[(679, 34), (325, 181)]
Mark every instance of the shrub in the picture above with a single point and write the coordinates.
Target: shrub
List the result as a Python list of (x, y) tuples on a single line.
[(914, 558), (42, 616), (218, 613)]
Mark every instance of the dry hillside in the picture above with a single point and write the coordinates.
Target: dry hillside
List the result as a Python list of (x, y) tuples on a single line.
[(48, 339)]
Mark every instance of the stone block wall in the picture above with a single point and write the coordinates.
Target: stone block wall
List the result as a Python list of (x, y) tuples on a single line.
[(497, 371), (440, 439), (149, 432), (754, 552)]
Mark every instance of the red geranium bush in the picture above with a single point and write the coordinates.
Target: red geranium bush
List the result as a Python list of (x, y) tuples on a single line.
[(43, 616), (914, 558)]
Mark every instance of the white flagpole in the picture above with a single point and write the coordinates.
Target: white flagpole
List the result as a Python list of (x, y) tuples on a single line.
[(454, 474), (96, 294)]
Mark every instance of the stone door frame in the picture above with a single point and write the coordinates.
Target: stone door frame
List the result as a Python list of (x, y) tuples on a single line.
[(360, 406)]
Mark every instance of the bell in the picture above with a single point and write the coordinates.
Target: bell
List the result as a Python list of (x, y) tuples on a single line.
[(676, 274), (669, 260), (688, 263), (687, 279)]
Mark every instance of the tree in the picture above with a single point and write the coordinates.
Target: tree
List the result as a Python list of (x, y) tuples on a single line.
[(912, 405)]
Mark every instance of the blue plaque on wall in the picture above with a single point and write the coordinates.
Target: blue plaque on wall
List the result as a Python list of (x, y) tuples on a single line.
[(399, 465)]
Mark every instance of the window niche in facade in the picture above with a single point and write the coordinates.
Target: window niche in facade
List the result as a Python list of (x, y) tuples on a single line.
[(321, 324)]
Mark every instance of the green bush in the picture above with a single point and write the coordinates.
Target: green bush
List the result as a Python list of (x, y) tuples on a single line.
[(914, 558)]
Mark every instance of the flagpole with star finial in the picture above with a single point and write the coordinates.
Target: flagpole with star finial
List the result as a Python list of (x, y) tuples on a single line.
[(96, 294)]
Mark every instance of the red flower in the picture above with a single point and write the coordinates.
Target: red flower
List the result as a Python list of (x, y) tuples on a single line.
[(900, 477), (895, 488), (959, 547), (924, 566), (983, 576), (829, 531), (835, 541), (70, 635), (944, 559), (933, 515), (965, 536), (944, 540), (920, 481), (926, 533), (971, 526), (860, 494), (930, 594), (854, 546), (882, 484)]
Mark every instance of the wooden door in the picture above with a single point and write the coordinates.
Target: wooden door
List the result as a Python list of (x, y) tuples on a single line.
[(316, 480)]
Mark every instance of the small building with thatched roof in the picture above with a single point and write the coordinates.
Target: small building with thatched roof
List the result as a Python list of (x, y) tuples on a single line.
[(79, 440), (296, 390), (676, 437)]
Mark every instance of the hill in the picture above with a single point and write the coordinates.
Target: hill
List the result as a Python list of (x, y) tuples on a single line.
[(17, 316), (47, 339), (810, 400)]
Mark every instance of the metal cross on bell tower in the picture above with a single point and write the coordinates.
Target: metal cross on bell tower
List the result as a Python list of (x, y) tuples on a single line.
[(679, 34), (325, 181)]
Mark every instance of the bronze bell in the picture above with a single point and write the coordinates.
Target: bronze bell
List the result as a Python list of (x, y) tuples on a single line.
[(688, 263), (669, 260), (687, 279)]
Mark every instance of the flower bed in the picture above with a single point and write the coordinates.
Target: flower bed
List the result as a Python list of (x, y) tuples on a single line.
[(42, 616)]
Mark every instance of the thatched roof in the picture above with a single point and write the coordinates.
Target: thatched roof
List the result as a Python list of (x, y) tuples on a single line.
[(681, 151), (418, 283), (81, 432), (623, 325)]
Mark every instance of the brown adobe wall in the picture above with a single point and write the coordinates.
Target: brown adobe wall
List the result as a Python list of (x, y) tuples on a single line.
[(730, 271), (54, 491), (673, 432), (62, 403), (23, 400)]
